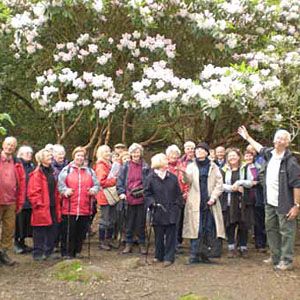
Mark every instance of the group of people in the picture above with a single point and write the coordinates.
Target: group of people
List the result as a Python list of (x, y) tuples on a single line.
[(206, 196)]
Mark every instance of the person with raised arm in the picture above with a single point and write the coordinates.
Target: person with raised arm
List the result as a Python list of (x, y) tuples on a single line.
[(282, 193)]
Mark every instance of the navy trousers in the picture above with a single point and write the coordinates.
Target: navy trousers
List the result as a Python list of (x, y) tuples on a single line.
[(44, 240), (165, 242)]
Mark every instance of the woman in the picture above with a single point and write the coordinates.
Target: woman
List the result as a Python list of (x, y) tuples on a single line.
[(163, 196), (77, 184), (202, 205), (130, 185), (59, 160), (174, 165), (235, 203), (107, 212), (45, 202), (23, 227)]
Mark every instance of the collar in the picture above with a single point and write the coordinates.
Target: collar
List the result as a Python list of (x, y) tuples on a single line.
[(161, 173), (276, 156), (4, 158)]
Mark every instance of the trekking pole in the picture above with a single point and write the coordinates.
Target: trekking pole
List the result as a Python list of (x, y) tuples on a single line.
[(121, 223), (149, 234), (89, 228), (68, 226)]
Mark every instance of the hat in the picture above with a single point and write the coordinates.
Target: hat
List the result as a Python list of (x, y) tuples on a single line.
[(119, 145), (204, 146)]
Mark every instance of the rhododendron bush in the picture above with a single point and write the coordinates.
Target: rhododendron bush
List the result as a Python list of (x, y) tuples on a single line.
[(203, 56)]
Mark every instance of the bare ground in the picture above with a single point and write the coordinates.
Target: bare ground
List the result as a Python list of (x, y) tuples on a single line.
[(129, 277)]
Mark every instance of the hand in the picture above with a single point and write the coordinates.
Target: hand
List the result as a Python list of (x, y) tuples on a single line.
[(240, 189), (122, 197), (293, 213), (69, 192), (92, 192), (234, 187), (211, 202), (242, 131)]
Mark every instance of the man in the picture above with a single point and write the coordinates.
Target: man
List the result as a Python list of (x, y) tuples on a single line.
[(12, 195), (220, 156), (119, 148), (282, 193)]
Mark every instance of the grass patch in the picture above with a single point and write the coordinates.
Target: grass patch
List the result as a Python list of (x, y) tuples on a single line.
[(192, 296), (74, 270)]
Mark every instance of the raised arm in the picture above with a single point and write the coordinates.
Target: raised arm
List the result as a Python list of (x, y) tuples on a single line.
[(243, 132)]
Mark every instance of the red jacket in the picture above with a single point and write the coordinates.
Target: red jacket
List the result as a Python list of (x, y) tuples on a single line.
[(38, 195), (80, 180), (102, 171), (173, 168)]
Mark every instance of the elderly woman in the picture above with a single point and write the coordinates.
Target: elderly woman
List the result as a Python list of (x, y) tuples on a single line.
[(59, 160), (130, 185), (236, 199), (202, 205), (173, 154), (77, 184), (163, 196), (45, 202), (107, 212), (23, 227)]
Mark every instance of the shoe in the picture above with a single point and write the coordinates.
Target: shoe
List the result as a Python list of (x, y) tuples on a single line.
[(6, 260), (269, 261), (28, 249), (79, 256), (127, 249), (179, 250), (143, 250), (167, 263), (262, 250), (52, 256), (284, 266), (39, 258), (193, 261), (19, 250), (104, 246), (231, 254), (244, 253), (204, 259), (156, 260)]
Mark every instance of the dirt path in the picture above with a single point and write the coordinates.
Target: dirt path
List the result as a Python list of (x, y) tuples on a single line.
[(127, 277)]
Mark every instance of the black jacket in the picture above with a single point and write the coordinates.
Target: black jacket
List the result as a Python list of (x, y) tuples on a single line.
[(289, 178), (165, 192)]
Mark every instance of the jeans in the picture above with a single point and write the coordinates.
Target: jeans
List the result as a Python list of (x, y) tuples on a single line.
[(280, 234), (165, 242), (199, 246), (242, 235)]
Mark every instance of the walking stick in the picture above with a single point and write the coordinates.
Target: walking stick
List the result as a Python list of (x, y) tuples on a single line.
[(121, 224), (89, 228), (68, 226), (149, 234)]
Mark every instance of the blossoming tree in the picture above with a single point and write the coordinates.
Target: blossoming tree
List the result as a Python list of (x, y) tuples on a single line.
[(191, 66)]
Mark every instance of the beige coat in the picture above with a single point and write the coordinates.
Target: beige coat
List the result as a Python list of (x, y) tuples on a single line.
[(192, 207)]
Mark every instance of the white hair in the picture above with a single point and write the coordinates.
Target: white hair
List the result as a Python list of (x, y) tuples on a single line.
[(58, 148), (24, 149), (49, 147), (159, 160), (100, 151), (282, 132), (10, 139), (189, 144), (134, 147), (173, 148)]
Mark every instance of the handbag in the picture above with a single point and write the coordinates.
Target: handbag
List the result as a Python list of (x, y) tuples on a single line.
[(137, 192), (111, 195)]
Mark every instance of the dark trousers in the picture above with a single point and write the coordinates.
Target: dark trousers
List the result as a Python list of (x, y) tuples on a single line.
[(259, 227), (242, 234), (165, 242), (199, 246), (23, 227), (44, 240), (74, 230), (135, 223), (180, 225)]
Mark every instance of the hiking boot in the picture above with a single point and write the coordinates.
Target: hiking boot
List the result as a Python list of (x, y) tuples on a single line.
[(104, 246), (231, 254), (193, 261), (5, 259), (39, 258), (204, 259), (127, 249), (284, 266), (19, 250), (52, 256), (244, 253), (167, 263), (143, 250)]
